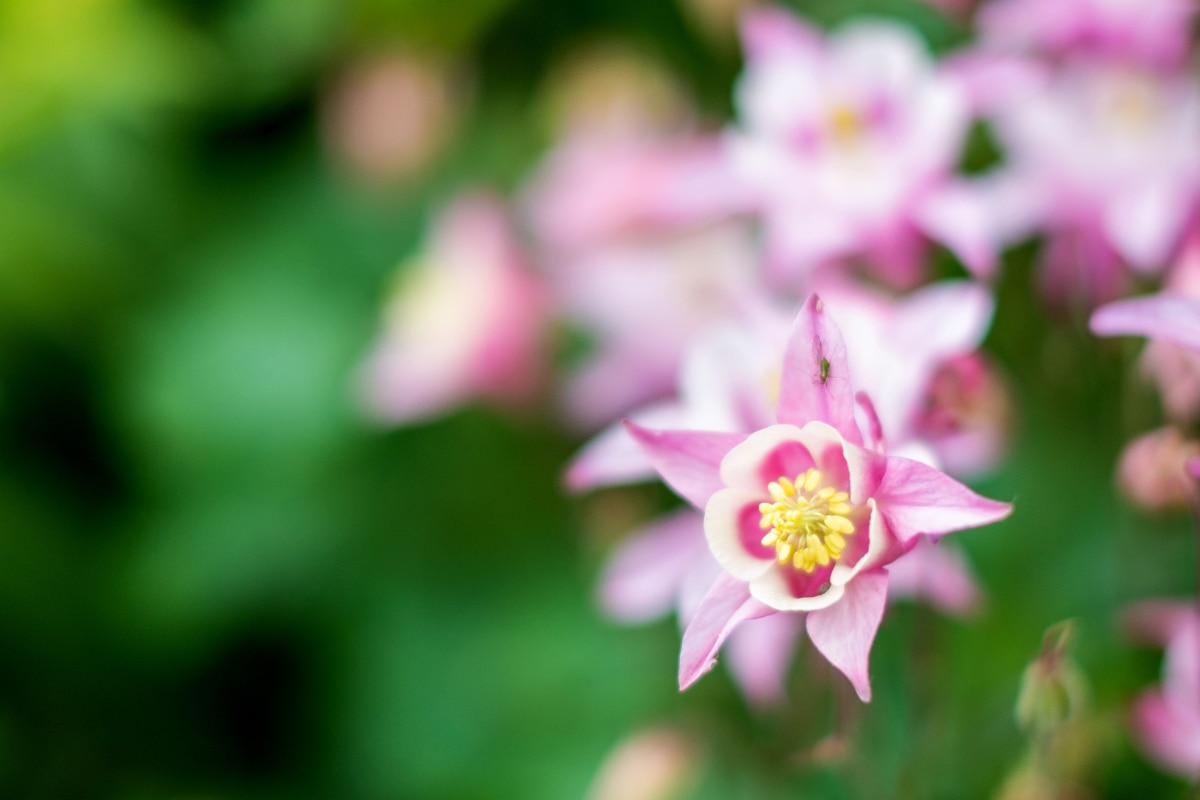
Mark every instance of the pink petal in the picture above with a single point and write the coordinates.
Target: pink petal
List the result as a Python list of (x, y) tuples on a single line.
[(1193, 468), (815, 384), (844, 631), (643, 578), (734, 536), (866, 468), (689, 461), (878, 548), (786, 589), (768, 453), (726, 605), (916, 498), (1159, 316)]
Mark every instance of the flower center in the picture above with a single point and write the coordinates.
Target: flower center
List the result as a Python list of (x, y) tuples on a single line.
[(846, 125), (807, 525)]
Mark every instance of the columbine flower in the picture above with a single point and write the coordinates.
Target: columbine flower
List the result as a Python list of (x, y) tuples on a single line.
[(729, 381), (1103, 156), (846, 142), (464, 321), (807, 514)]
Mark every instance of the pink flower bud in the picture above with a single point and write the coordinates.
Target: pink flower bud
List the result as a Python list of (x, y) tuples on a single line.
[(1152, 471)]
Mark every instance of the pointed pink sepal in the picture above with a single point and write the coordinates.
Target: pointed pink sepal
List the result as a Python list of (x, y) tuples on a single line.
[(915, 498), (613, 457), (1172, 318), (689, 461), (815, 381), (845, 631), (727, 604)]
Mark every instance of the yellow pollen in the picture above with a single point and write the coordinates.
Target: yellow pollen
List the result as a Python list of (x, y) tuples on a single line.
[(805, 524), (845, 124)]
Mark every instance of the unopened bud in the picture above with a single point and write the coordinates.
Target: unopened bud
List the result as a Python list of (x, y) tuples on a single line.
[(1153, 470), (1053, 688)]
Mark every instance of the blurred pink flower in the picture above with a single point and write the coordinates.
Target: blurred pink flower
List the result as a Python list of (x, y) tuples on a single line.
[(1154, 32), (1105, 158), (640, 304), (1153, 472), (847, 143), (464, 322), (594, 190), (967, 415), (831, 530), (628, 162), (1166, 719)]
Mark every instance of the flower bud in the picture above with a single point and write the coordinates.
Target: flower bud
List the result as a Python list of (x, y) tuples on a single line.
[(1053, 689), (1153, 472)]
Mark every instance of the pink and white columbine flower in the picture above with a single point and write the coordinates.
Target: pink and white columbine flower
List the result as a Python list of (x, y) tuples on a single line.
[(464, 322), (729, 382), (1166, 719), (806, 514), (846, 143), (1104, 158)]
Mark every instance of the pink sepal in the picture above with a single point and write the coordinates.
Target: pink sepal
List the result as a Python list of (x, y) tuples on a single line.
[(1161, 316), (845, 631), (916, 498), (613, 457), (689, 461), (815, 384), (727, 604)]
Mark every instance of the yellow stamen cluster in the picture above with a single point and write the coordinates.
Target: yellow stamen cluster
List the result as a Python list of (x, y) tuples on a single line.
[(807, 525), (846, 125)]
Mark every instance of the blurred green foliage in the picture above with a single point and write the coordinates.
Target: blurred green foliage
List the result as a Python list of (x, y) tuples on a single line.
[(218, 581)]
